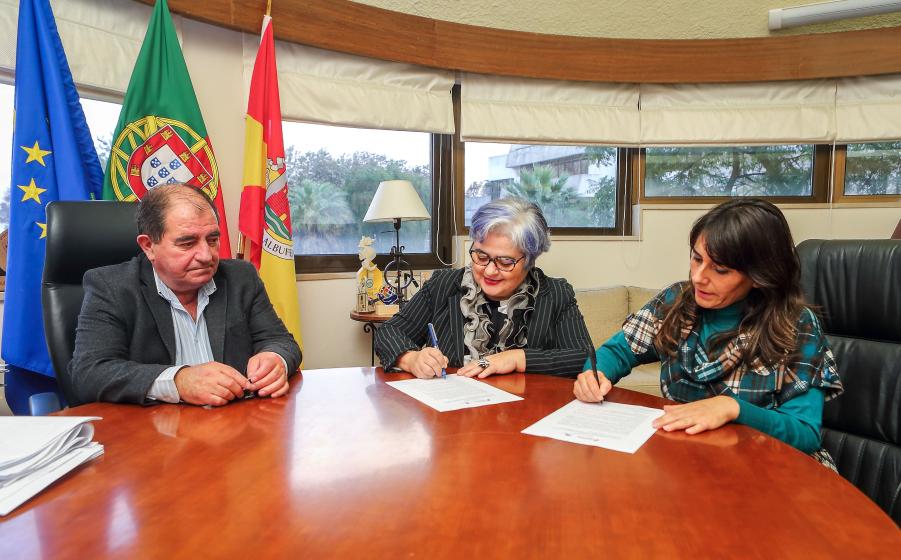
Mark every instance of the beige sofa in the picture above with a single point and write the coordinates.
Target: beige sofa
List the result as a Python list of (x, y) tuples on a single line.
[(604, 310)]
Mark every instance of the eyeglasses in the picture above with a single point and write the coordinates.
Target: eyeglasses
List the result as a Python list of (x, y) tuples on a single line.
[(504, 264)]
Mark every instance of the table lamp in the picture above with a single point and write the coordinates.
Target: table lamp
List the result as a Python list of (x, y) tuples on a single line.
[(395, 201)]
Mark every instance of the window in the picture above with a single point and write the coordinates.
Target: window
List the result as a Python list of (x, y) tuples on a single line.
[(873, 169), (102, 118), (576, 187), (771, 171), (6, 141), (333, 173)]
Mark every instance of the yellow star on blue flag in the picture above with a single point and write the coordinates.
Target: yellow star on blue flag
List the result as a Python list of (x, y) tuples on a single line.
[(49, 120), (35, 153), (32, 192)]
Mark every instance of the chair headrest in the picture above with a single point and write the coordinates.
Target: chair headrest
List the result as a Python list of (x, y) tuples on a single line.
[(85, 234), (856, 284)]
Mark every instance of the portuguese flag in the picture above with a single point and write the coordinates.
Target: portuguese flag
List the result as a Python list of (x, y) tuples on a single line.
[(265, 218), (161, 137)]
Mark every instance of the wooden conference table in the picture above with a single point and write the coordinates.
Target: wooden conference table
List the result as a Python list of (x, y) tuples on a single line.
[(348, 467)]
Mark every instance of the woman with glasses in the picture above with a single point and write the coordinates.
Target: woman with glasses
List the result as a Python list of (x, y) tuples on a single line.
[(736, 341), (498, 314)]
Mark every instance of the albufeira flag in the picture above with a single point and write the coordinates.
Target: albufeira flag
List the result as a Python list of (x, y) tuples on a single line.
[(161, 137), (265, 218)]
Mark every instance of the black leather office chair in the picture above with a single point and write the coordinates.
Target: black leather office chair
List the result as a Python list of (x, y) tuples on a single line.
[(81, 235), (857, 286)]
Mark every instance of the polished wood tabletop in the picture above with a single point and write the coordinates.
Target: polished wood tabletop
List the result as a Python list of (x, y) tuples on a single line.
[(348, 467)]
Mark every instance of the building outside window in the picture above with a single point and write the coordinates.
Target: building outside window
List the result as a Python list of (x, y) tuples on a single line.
[(575, 186)]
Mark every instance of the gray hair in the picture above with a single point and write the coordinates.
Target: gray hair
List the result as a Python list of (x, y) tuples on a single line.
[(150, 216), (516, 218)]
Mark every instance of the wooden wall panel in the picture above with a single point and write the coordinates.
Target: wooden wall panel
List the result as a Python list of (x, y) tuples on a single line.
[(345, 26)]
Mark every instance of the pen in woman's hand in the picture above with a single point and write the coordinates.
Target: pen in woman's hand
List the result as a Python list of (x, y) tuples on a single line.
[(434, 340), (594, 368)]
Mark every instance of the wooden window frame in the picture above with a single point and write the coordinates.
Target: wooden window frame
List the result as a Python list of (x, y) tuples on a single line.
[(838, 186), (819, 192)]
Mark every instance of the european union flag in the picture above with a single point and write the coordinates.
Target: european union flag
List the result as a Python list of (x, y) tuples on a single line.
[(53, 158)]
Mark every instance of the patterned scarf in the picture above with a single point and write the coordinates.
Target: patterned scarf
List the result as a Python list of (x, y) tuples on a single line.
[(477, 319), (693, 374)]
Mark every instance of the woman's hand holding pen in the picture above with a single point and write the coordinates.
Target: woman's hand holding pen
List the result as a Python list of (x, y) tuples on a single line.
[(424, 364), (588, 389)]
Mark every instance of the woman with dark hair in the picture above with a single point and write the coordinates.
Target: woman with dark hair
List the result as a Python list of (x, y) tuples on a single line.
[(498, 314), (736, 341)]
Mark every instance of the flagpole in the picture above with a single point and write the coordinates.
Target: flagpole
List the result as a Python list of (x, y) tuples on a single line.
[(241, 242), (240, 253), (264, 169)]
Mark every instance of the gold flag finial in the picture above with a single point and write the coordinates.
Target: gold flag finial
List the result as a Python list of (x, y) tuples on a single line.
[(268, 7)]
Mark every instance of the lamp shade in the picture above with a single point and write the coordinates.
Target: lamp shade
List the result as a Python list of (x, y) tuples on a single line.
[(396, 199)]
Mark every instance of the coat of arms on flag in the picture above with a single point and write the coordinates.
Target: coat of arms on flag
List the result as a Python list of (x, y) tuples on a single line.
[(161, 137), (163, 157), (277, 231), (265, 217)]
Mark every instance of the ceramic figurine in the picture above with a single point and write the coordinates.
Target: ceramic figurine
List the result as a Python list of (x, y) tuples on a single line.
[(369, 277)]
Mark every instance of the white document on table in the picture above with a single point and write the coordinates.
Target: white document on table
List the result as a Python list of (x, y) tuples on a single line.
[(24, 488), (453, 393), (620, 427), (37, 450), (29, 443)]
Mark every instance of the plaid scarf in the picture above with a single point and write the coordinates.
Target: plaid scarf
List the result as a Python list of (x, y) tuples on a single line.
[(693, 374)]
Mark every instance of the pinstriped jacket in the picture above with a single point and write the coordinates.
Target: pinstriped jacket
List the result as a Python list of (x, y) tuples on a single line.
[(558, 341)]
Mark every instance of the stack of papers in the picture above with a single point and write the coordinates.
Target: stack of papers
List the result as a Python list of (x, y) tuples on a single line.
[(37, 450)]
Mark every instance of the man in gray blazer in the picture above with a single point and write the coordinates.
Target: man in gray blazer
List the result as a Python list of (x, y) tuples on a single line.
[(175, 324)]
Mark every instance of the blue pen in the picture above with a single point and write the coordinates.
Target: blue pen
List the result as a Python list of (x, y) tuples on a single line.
[(434, 338)]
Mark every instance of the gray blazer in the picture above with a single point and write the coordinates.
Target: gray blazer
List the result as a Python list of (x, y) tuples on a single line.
[(125, 336), (558, 340)]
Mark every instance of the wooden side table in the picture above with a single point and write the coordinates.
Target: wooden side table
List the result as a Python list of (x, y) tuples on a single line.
[(370, 321)]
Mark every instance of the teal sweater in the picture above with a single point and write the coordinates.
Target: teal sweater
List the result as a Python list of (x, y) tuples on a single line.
[(797, 422)]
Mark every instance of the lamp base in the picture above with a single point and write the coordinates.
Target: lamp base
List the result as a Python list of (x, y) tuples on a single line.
[(398, 274), (399, 266)]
